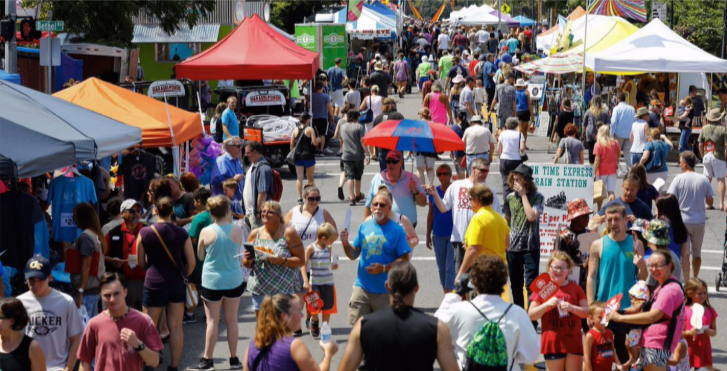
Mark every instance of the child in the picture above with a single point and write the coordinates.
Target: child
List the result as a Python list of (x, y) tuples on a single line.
[(561, 343), (479, 97), (639, 294), (700, 344), (319, 256), (679, 360), (598, 345), (230, 187)]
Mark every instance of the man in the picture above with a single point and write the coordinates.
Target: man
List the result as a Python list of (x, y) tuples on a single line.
[(592, 88), (460, 40), (372, 336), (506, 96), (479, 142), (405, 187), (228, 166), (692, 190), (113, 207), (380, 242), (622, 119), (456, 199), (488, 72), (322, 113), (230, 125), (456, 70), (638, 135), (258, 183), (338, 79), (443, 42), (120, 241), (54, 321), (381, 79), (698, 105), (467, 98), (388, 113), (352, 100), (492, 44), (121, 338), (656, 120), (712, 139), (635, 208), (482, 36), (353, 156), (445, 65), (614, 263), (512, 44)]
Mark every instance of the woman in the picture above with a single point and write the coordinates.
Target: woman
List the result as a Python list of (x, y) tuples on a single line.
[(572, 145), (277, 274), (274, 348), (455, 92), (18, 352), (647, 193), (502, 72), (565, 117), (401, 74), (489, 275), (189, 182), (304, 141), (595, 114), (459, 127), (655, 152), (509, 147), (222, 285), (425, 160), (184, 209), (608, 153), (423, 71), (664, 306), (88, 244), (438, 104), (375, 103), (164, 286), (523, 106), (216, 123), (686, 120), (667, 209), (439, 232)]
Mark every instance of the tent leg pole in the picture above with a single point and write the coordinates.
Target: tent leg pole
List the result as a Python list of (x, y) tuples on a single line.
[(174, 141)]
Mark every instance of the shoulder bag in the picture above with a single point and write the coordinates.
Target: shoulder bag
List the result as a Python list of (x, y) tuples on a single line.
[(368, 115), (291, 157), (192, 296)]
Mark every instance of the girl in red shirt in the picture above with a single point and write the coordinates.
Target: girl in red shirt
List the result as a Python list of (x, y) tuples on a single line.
[(599, 349), (698, 339), (561, 342)]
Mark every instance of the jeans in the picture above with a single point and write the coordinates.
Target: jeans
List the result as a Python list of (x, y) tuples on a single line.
[(522, 264), (490, 97), (636, 158), (458, 248), (591, 157), (91, 304), (444, 254), (382, 158), (684, 140), (506, 166), (471, 158)]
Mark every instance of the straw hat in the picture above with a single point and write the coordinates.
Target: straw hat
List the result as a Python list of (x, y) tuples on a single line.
[(520, 83), (715, 115), (378, 66)]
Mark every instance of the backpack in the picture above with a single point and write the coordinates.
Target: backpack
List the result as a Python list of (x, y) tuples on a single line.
[(488, 350), (277, 191), (656, 159)]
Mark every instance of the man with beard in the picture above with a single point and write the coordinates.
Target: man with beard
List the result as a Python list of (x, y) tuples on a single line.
[(405, 187), (120, 240)]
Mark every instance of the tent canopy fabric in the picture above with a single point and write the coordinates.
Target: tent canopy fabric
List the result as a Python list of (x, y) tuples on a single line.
[(603, 33), (137, 110), (524, 21), (506, 18), (372, 18), (252, 51), (575, 14), (478, 19), (555, 65), (654, 48), (10, 77), (41, 133)]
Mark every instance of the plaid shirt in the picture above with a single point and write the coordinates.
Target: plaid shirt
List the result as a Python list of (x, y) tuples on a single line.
[(271, 279)]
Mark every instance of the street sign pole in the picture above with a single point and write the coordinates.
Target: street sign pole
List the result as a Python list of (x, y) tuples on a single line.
[(11, 46)]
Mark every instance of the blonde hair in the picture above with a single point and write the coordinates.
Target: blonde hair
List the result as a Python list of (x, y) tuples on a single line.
[(328, 231), (269, 327), (424, 113), (218, 206), (375, 89), (230, 184), (597, 108), (562, 256), (604, 136), (655, 133)]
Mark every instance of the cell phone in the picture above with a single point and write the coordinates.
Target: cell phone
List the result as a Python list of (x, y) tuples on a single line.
[(249, 247)]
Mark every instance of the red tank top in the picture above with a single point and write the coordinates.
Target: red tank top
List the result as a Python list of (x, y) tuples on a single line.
[(601, 350)]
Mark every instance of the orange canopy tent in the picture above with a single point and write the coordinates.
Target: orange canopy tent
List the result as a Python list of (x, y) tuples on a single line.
[(134, 109), (575, 14)]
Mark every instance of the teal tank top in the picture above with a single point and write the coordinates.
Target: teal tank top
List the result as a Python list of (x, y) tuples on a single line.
[(617, 272), (221, 271)]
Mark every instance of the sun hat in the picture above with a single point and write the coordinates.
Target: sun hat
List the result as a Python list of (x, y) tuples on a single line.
[(657, 232), (639, 225), (640, 291), (520, 83), (378, 66), (715, 115), (642, 111), (457, 79), (577, 208)]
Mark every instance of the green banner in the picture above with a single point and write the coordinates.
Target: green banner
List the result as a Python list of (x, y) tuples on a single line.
[(306, 36), (334, 45)]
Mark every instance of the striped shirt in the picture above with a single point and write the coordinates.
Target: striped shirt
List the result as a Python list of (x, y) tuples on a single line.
[(320, 266)]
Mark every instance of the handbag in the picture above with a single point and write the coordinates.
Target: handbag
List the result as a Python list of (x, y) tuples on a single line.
[(192, 300), (599, 191), (368, 115), (291, 158)]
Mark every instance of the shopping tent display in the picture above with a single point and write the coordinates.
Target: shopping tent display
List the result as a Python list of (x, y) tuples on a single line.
[(505, 18), (603, 33), (524, 21), (10, 77), (654, 48), (465, 12), (137, 110), (557, 64), (252, 51), (40, 133), (373, 18), (551, 34)]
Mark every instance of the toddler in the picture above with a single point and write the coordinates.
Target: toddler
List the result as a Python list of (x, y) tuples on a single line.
[(229, 186), (318, 255), (639, 294)]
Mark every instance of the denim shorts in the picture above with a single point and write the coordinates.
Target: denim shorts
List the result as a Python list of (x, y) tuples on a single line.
[(305, 163), (172, 294)]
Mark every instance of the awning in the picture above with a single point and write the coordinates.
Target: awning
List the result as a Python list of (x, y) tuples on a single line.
[(152, 34), (10, 77)]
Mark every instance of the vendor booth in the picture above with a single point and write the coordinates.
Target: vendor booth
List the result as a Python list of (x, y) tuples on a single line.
[(546, 39), (603, 32), (524, 21), (375, 21)]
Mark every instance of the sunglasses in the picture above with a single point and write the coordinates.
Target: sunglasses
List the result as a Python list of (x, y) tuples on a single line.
[(379, 204), (132, 211), (391, 162), (444, 174), (482, 169), (314, 199), (235, 145)]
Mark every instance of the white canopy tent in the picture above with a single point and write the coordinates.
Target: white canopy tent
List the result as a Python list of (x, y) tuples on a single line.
[(654, 48), (479, 18), (471, 10)]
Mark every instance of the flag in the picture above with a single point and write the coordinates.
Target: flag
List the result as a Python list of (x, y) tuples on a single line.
[(439, 12), (414, 10)]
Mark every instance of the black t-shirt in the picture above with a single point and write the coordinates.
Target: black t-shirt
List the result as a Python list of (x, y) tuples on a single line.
[(184, 206), (457, 70), (363, 92), (388, 116), (138, 171), (564, 118), (382, 80), (19, 213)]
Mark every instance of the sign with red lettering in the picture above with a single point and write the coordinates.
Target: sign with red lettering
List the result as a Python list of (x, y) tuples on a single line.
[(265, 98), (612, 305), (369, 34), (544, 287), (314, 302), (169, 88)]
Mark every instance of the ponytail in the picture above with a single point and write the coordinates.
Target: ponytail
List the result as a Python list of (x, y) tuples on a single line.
[(401, 282), (270, 327)]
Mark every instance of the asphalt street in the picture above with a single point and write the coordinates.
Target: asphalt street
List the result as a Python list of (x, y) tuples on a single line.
[(430, 294)]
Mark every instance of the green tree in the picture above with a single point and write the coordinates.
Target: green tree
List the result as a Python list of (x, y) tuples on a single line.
[(110, 22), (700, 22), (285, 14)]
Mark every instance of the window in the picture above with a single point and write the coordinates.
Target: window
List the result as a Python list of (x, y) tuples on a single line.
[(176, 52)]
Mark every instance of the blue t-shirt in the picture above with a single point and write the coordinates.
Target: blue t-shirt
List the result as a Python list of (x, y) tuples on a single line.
[(320, 105), (442, 224), (230, 120), (64, 194), (489, 69), (378, 244), (661, 150), (336, 76)]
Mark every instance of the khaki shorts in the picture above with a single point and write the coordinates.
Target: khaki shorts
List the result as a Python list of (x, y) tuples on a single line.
[(363, 303), (696, 237)]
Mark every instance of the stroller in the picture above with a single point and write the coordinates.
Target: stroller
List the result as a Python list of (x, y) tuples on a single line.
[(721, 278)]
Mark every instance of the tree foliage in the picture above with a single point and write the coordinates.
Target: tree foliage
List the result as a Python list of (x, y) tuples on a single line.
[(285, 14)]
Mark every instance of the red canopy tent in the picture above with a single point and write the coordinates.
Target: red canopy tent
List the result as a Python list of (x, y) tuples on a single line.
[(253, 51)]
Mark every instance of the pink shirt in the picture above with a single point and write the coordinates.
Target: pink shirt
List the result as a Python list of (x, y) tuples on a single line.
[(609, 158), (668, 299), (437, 110)]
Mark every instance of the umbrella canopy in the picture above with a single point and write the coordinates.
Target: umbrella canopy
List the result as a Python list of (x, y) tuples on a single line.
[(414, 135), (12, 77), (557, 64), (41, 133), (134, 109), (524, 21)]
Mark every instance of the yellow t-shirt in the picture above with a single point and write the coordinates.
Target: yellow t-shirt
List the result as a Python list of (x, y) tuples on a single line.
[(489, 230)]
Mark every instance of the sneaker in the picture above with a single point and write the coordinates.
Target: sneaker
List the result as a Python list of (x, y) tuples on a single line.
[(360, 197), (203, 365), (189, 318), (340, 193), (328, 152), (235, 364), (298, 333), (315, 330), (352, 202)]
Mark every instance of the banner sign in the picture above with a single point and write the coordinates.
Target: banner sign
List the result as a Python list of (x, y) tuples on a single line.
[(305, 36), (169, 88), (560, 183), (363, 34), (264, 98), (334, 45)]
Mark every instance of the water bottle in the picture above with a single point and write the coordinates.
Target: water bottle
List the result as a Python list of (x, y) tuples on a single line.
[(326, 334)]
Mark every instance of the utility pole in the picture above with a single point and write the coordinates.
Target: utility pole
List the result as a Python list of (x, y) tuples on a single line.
[(671, 22), (499, 14), (11, 46), (724, 30)]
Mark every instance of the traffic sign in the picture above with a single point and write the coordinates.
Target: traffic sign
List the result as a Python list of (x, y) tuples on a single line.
[(53, 26), (505, 8)]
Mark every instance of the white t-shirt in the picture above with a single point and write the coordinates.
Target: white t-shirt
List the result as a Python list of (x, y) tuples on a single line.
[(443, 41), (247, 193), (691, 189), (53, 319), (510, 142), (456, 199), (479, 96), (477, 139), (637, 146), (482, 36)]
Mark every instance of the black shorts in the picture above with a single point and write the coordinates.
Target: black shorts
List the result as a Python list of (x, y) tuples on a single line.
[(327, 295), (354, 169), (554, 356), (523, 116), (217, 295), (321, 127), (171, 294)]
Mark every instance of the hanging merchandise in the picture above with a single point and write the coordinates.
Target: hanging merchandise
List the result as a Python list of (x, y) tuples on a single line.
[(65, 193), (138, 169), (202, 157), (19, 214)]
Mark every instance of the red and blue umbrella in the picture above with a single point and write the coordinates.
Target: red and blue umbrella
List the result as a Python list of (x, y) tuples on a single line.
[(414, 135)]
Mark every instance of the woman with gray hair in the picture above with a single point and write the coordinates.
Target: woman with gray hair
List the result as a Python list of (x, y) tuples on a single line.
[(510, 148), (438, 105)]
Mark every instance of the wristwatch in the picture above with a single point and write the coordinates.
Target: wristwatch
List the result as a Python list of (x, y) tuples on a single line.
[(140, 347), (80, 291)]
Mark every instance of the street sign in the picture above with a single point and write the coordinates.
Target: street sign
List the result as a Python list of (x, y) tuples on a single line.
[(169, 88), (53, 26), (658, 10), (50, 52), (505, 8)]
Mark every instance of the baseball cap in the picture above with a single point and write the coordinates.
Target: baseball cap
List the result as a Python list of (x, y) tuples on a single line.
[(507, 58), (37, 267), (129, 204), (394, 155)]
